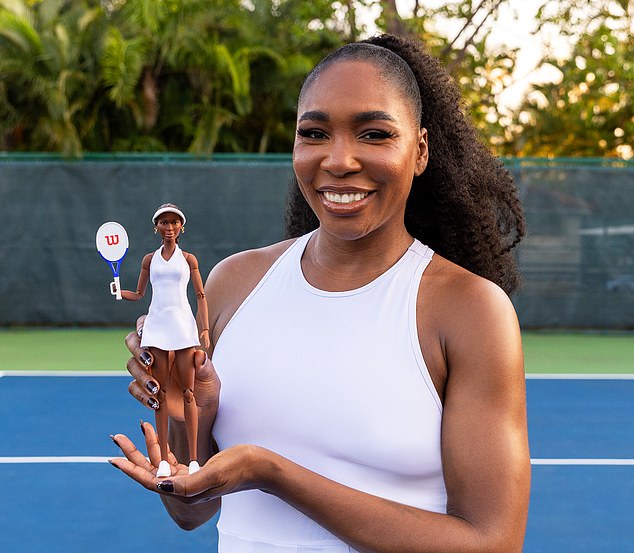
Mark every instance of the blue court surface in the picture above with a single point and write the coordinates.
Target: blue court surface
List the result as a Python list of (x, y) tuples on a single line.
[(57, 493)]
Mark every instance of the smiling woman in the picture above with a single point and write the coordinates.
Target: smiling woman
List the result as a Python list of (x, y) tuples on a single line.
[(372, 389)]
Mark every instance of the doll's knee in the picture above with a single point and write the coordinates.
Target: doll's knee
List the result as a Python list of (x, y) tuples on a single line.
[(188, 395)]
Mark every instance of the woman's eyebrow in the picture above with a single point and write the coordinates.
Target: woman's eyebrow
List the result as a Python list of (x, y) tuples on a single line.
[(373, 116), (361, 117), (314, 116)]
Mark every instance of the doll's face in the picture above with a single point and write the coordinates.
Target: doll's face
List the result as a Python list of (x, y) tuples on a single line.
[(169, 226)]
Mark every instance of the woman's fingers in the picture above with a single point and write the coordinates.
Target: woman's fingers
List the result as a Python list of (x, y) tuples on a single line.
[(132, 454), (145, 387), (152, 445), (144, 477), (142, 355), (142, 394)]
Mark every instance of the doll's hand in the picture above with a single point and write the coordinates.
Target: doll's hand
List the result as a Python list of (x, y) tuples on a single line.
[(145, 388), (204, 339)]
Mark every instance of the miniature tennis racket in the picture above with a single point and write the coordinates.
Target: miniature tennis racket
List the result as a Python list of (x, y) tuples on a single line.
[(112, 245)]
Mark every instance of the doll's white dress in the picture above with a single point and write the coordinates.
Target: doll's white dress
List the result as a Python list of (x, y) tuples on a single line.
[(170, 324)]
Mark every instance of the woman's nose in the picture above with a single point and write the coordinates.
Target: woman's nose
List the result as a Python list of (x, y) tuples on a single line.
[(341, 159)]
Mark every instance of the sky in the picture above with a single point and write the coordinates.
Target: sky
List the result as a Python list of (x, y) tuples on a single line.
[(513, 29)]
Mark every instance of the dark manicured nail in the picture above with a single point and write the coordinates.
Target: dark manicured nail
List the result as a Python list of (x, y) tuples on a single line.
[(115, 441), (166, 486), (152, 386), (146, 358), (115, 466), (153, 403), (140, 333), (141, 424)]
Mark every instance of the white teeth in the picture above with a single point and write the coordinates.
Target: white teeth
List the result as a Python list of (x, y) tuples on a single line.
[(344, 198)]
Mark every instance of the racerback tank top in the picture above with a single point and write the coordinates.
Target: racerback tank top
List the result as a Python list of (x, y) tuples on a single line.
[(336, 382)]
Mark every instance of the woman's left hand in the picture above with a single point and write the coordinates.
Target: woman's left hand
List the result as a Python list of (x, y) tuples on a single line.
[(232, 470)]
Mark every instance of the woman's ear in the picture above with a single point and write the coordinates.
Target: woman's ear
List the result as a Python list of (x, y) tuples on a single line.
[(423, 152)]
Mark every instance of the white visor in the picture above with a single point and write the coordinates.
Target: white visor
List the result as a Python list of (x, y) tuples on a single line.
[(162, 210)]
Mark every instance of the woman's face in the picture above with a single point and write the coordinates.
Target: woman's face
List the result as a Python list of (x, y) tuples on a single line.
[(357, 148), (169, 226)]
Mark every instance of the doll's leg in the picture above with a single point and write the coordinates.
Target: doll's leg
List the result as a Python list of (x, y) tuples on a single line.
[(185, 372), (160, 371)]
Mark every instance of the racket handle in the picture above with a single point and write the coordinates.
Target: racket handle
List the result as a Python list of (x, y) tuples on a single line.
[(115, 288)]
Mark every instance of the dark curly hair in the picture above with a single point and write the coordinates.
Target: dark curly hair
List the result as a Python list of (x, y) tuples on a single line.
[(465, 206)]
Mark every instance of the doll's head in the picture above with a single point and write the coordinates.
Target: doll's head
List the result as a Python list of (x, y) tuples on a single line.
[(169, 219)]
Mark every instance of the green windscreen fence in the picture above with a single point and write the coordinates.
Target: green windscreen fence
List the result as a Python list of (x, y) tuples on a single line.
[(577, 260)]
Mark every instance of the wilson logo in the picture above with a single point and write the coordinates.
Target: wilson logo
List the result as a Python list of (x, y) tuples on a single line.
[(112, 240)]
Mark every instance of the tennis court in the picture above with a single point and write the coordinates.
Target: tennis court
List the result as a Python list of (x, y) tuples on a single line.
[(59, 494)]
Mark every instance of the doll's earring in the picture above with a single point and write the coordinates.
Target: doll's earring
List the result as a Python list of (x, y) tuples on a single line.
[(155, 230), (182, 230)]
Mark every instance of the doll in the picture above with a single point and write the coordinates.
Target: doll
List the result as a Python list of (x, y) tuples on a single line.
[(170, 325)]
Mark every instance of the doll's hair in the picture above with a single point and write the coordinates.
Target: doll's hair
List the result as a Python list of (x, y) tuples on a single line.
[(465, 205), (169, 208)]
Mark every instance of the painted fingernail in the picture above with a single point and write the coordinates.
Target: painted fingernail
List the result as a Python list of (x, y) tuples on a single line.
[(166, 486), (141, 424), (152, 386), (114, 440), (153, 403), (146, 358), (139, 332), (115, 466)]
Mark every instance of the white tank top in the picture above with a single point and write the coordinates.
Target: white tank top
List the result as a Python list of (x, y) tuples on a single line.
[(336, 382)]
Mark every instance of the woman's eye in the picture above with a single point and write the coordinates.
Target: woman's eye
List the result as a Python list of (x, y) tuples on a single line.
[(315, 134), (377, 135)]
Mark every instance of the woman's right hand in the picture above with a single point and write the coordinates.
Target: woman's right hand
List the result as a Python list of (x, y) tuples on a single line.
[(145, 388)]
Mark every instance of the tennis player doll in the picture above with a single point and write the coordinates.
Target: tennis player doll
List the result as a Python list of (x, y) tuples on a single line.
[(170, 324)]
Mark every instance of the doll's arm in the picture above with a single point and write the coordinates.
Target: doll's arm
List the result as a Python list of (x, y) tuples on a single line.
[(144, 276), (202, 314)]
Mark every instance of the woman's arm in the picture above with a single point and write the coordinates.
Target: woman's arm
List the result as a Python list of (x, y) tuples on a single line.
[(484, 448), (144, 276)]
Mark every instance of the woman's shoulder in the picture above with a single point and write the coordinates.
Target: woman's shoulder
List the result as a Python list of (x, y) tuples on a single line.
[(249, 265), (455, 302), (453, 284)]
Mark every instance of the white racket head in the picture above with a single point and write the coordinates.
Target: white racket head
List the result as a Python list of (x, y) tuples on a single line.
[(112, 241)]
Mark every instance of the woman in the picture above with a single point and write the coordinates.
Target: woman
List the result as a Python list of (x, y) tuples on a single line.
[(170, 327), (373, 393)]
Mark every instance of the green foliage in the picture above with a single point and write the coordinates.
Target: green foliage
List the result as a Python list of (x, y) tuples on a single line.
[(589, 110), (223, 75)]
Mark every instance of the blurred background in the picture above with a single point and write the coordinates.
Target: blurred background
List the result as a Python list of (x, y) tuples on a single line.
[(109, 108)]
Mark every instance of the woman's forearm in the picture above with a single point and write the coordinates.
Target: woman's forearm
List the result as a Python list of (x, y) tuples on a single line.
[(373, 524)]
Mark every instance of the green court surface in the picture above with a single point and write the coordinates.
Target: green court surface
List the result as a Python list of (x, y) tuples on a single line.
[(99, 349), (76, 349)]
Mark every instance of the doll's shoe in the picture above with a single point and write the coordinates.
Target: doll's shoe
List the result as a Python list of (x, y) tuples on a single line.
[(164, 470), (193, 467)]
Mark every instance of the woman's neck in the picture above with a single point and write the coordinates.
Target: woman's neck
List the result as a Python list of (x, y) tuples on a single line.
[(334, 264)]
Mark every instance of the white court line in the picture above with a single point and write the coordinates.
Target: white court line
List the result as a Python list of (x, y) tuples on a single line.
[(87, 459), (579, 376), (64, 373), (529, 376), (583, 462), (53, 459)]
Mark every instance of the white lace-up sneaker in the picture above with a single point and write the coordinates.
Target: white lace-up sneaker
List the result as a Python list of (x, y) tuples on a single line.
[(193, 467)]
